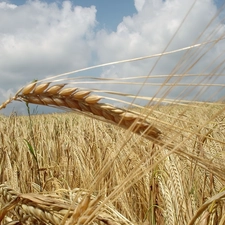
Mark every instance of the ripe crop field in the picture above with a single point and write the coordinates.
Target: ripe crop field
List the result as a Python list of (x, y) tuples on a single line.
[(126, 181), (143, 149)]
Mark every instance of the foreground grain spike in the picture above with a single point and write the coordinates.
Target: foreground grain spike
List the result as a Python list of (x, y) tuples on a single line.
[(49, 209), (82, 101)]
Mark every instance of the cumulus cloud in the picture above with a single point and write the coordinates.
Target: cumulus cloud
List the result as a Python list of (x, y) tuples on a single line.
[(139, 4), (151, 29), (38, 39), (163, 26)]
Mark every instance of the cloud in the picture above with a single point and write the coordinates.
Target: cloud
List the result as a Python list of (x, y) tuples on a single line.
[(139, 4), (163, 26), (45, 39), (151, 29), (50, 38), (4, 5), (38, 39)]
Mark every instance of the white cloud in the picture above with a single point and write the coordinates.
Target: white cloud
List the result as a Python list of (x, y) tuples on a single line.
[(150, 31), (39, 39), (139, 4), (45, 38), (4, 5)]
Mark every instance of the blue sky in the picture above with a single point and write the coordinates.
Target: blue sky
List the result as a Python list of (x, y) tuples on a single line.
[(39, 39), (109, 13)]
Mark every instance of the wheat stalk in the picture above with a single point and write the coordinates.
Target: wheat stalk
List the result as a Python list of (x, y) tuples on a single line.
[(82, 101)]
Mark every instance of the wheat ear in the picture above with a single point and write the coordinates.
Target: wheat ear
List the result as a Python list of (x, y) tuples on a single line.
[(41, 209), (83, 101)]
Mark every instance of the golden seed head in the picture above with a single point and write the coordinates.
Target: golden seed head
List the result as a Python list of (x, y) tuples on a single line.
[(67, 91), (92, 99), (27, 89), (81, 94), (40, 88), (55, 89)]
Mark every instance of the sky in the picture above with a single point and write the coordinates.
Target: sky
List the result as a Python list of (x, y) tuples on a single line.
[(44, 38)]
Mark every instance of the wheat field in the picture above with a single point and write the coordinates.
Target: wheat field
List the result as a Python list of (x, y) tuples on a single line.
[(123, 181), (114, 157)]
